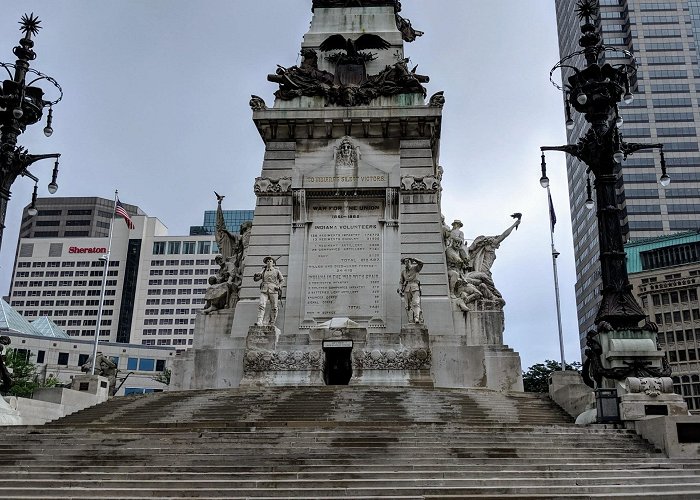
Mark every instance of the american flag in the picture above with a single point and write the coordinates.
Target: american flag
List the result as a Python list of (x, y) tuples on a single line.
[(120, 210), (552, 215)]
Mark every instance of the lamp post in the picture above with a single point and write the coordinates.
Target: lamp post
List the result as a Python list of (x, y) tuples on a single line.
[(595, 91), (22, 104)]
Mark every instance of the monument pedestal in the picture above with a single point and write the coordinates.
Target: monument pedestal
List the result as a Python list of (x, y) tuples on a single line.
[(216, 359), (92, 384), (476, 357)]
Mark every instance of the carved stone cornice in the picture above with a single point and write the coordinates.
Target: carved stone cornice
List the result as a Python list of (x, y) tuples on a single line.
[(425, 184), (265, 186)]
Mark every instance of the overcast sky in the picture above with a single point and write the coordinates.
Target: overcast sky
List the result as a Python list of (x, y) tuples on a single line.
[(156, 105)]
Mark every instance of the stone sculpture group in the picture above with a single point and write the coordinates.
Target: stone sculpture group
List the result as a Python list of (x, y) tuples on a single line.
[(469, 268), (224, 286)]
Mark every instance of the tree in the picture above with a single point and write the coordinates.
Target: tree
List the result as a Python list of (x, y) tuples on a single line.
[(23, 372), (26, 379), (536, 378), (163, 377)]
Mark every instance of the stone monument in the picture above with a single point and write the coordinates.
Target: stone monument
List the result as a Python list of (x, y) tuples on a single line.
[(348, 212)]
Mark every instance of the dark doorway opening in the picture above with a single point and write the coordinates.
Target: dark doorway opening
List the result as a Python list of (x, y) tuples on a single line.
[(338, 368)]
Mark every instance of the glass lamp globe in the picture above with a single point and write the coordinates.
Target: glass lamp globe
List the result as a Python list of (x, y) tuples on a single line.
[(544, 181), (32, 211), (619, 156), (48, 131), (52, 187), (628, 98), (570, 124), (665, 180), (589, 203), (582, 99)]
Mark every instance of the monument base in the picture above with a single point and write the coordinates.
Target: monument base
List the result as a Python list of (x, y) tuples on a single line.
[(494, 367), (216, 359), (92, 384), (332, 355), (641, 406)]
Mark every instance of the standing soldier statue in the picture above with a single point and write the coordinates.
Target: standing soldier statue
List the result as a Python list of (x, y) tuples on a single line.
[(270, 290), (410, 288)]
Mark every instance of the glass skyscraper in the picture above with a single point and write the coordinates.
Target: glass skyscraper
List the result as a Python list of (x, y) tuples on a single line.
[(232, 218), (663, 36)]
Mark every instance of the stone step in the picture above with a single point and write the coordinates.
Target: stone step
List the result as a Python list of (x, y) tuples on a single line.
[(252, 441), (348, 483), (371, 492), (205, 475), (328, 442), (289, 466), (313, 463)]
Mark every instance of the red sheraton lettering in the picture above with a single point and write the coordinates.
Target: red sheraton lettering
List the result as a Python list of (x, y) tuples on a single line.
[(87, 250)]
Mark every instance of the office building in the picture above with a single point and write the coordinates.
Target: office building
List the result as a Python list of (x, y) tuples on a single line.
[(78, 217), (663, 36), (665, 273), (232, 218), (154, 286)]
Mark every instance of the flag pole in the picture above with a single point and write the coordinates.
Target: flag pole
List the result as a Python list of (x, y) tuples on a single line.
[(555, 254), (104, 258)]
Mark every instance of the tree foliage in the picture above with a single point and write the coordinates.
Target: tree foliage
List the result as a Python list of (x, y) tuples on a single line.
[(536, 378), (24, 374), (163, 377)]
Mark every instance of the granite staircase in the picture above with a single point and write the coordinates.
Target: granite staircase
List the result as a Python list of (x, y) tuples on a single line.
[(332, 442)]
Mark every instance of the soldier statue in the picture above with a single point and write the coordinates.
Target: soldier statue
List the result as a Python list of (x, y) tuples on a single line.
[(270, 290), (410, 288)]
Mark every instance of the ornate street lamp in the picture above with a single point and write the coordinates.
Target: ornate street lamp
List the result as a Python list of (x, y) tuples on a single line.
[(595, 91), (22, 103)]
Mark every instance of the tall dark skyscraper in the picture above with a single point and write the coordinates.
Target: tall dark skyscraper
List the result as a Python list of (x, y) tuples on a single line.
[(663, 36)]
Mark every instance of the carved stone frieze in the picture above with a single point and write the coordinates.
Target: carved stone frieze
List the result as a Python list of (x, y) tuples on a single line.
[(650, 386), (308, 80), (264, 360), (267, 186), (386, 359), (428, 183)]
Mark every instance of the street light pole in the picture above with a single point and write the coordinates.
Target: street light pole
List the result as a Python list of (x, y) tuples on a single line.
[(555, 254), (595, 92), (22, 104)]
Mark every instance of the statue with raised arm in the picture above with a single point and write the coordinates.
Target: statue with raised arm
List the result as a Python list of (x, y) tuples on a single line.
[(226, 240), (482, 253)]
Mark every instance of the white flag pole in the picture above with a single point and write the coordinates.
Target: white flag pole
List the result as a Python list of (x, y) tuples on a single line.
[(555, 254)]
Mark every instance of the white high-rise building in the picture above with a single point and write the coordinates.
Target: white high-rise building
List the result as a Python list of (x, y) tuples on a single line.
[(154, 286)]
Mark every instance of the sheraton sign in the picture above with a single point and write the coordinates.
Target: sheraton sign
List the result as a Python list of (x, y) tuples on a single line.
[(87, 250)]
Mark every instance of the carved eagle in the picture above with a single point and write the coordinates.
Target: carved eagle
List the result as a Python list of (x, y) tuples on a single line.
[(353, 47)]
